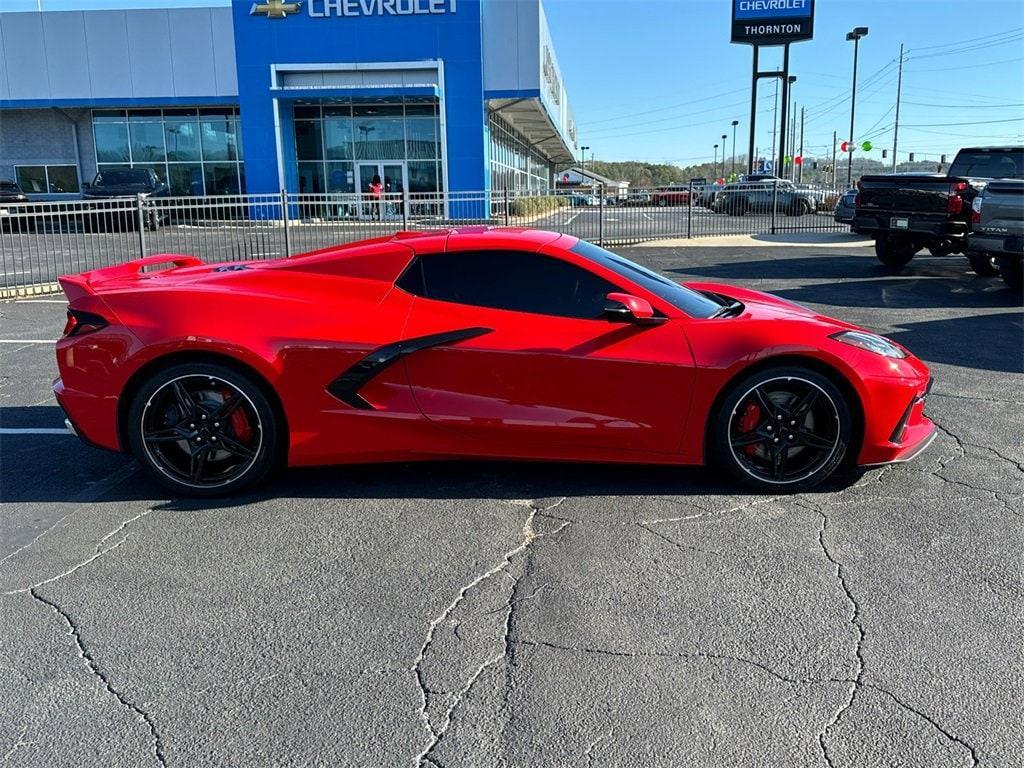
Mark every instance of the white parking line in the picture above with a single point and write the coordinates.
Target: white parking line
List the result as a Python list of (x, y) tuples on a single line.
[(27, 341), (648, 217), (571, 219), (33, 431), (42, 301)]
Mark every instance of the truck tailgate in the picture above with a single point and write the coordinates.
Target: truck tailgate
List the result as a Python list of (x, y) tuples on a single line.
[(905, 194)]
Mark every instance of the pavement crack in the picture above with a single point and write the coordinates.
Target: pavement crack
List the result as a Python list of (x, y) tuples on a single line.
[(98, 552), (437, 731), (90, 662), (683, 656), (975, 760), (712, 513), (855, 620)]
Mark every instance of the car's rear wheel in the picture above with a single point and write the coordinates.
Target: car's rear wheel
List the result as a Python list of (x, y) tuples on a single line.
[(782, 429), (203, 429), (983, 264), (895, 251)]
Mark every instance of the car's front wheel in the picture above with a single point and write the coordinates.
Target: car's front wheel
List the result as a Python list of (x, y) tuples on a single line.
[(203, 429), (782, 430)]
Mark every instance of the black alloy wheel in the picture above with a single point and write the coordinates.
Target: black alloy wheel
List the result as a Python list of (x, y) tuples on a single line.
[(203, 429), (784, 429)]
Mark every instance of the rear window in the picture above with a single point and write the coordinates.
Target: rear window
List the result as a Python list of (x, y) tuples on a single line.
[(126, 176), (692, 303), (1001, 164)]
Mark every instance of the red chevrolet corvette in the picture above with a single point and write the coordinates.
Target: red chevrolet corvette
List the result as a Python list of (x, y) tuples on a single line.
[(475, 343)]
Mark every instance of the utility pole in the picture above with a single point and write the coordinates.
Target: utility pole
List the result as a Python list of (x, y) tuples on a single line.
[(833, 160), (896, 130), (732, 165), (775, 117), (792, 144), (855, 35), (800, 173)]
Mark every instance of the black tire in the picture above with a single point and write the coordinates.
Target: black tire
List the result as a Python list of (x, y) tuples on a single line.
[(752, 430), (799, 208), (186, 427), (1012, 272), (983, 264), (662, 202), (893, 251)]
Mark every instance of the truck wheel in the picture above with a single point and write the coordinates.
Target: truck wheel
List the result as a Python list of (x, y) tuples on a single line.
[(1012, 273), (893, 251), (983, 264)]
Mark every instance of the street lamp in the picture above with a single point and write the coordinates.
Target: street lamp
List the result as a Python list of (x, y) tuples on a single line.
[(714, 167), (789, 118), (724, 145), (856, 34), (732, 165), (583, 167)]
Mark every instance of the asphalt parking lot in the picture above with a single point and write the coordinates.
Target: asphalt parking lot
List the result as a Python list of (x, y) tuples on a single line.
[(465, 614)]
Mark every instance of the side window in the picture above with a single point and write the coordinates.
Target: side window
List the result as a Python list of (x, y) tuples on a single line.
[(512, 280)]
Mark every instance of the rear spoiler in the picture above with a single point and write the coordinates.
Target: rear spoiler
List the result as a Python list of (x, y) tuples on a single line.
[(84, 284)]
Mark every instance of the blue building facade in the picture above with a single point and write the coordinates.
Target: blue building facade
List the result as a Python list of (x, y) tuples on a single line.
[(315, 96)]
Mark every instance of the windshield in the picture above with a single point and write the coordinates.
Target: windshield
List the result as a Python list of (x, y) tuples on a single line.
[(992, 164), (692, 303), (127, 176)]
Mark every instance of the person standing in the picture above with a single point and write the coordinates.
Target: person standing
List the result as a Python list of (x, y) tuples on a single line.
[(377, 191)]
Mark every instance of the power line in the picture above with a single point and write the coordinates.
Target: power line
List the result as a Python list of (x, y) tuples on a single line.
[(970, 39), (977, 122), (663, 109), (598, 131), (964, 106), (968, 49), (967, 66)]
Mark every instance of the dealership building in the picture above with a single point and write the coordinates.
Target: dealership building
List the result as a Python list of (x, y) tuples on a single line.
[(315, 96)]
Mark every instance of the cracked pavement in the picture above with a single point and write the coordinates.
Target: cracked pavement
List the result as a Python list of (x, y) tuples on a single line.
[(492, 614)]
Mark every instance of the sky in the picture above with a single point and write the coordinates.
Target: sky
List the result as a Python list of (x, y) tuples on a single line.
[(658, 80)]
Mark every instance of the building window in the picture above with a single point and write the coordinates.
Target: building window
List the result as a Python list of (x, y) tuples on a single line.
[(48, 179), (333, 140), (515, 165), (195, 151)]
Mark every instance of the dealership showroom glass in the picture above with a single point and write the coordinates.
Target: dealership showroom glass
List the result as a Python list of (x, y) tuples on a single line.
[(312, 97)]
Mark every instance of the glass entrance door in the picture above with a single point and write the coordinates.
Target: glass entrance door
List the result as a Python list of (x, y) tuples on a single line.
[(391, 178)]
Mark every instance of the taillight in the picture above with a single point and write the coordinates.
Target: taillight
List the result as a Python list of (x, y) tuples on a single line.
[(80, 323), (976, 210), (955, 202)]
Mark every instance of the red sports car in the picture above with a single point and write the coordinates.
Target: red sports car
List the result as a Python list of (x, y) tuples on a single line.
[(477, 343)]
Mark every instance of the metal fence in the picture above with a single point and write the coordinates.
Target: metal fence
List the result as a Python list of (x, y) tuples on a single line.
[(40, 241)]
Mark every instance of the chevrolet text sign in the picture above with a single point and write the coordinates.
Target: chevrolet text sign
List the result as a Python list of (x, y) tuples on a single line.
[(325, 8), (772, 22)]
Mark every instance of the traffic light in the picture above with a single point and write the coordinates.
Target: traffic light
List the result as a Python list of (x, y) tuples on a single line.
[(814, 165), (885, 153), (911, 157), (942, 159)]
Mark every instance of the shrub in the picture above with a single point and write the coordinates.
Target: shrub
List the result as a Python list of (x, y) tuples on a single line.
[(533, 206)]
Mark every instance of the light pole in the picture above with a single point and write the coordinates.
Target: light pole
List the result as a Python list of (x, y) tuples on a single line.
[(724, 145), (714, 167), (583, 167), (789, 118), (732, 165), (856, 34)]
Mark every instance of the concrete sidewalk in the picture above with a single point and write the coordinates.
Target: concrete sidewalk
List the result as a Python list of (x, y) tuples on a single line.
[(797, 239)]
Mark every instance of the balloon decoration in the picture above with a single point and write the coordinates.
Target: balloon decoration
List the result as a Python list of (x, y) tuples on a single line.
[(866, 146), (799, 160)]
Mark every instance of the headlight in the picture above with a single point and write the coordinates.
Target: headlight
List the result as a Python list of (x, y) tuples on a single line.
[(871, 342)]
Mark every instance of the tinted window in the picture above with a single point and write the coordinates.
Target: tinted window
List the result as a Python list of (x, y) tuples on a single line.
[(989, 165), (126, 176), (692, 303), (512, 280)]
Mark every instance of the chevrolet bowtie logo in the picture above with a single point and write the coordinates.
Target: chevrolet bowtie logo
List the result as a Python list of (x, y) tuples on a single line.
[(274, 9)]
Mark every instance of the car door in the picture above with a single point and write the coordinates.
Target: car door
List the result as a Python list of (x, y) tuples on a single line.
[(528, 364)]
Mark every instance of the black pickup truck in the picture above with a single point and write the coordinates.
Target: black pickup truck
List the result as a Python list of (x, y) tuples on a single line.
[(906, 212), (115, 192)]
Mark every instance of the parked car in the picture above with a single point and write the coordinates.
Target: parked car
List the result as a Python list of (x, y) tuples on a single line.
[(14, 219), (846, 208), (997, 228), (636, 198), (744, 197), (705, 194), (473, 342), (906, 212), (121, 184), (671, 195), (577, 200)]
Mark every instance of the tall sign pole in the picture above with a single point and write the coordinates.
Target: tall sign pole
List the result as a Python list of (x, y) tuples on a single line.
[(758, 23), (896, 129)]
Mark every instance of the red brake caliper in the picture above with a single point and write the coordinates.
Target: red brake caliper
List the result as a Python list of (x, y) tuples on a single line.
[(748, 422), (239, 421)]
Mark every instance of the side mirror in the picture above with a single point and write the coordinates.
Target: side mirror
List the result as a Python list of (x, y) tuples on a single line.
[(625, 308)]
